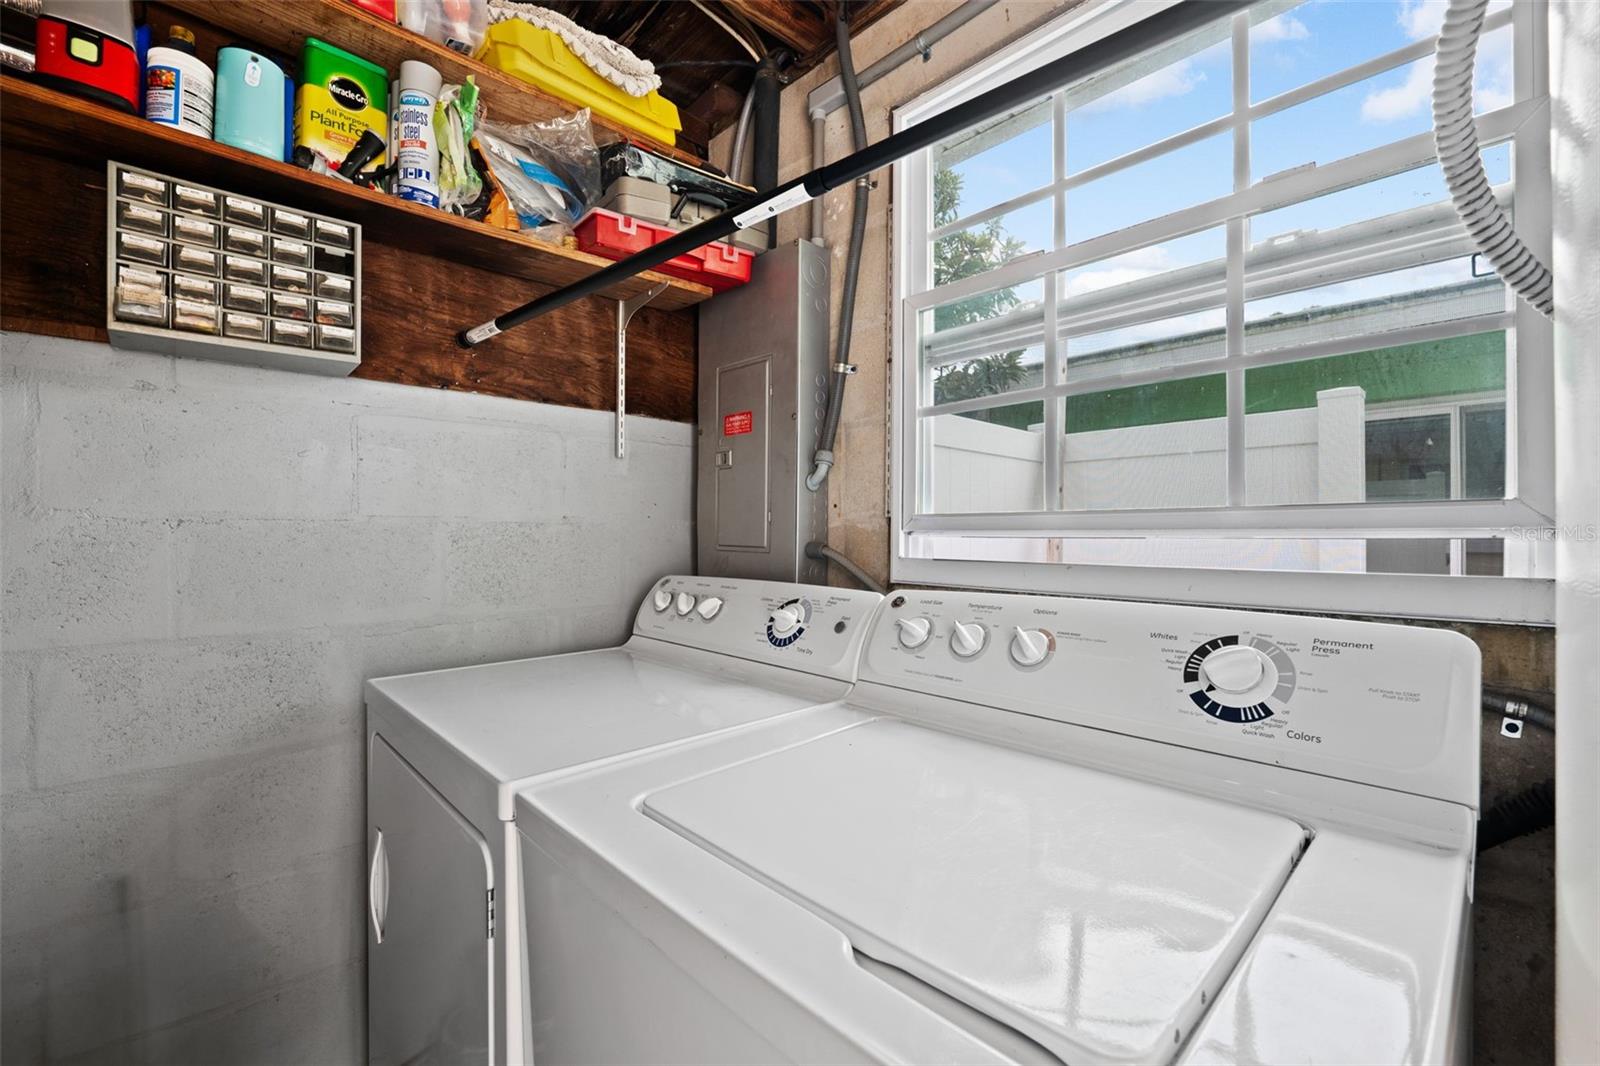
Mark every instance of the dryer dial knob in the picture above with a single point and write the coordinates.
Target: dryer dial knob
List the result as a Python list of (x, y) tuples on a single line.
[(709, 607), (1235, 669), (661, 600), (913, 632), (967, 639), (1029, 647), (784, 619), (685, 603)]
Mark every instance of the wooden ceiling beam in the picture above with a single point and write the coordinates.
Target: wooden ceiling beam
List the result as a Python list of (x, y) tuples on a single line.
[(800, 26)]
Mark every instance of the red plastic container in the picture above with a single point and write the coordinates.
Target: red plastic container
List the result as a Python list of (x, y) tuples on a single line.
[(384, 9), (721, 266)]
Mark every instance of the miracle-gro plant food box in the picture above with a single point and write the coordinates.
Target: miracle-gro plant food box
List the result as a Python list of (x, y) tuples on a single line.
[(341, 96)]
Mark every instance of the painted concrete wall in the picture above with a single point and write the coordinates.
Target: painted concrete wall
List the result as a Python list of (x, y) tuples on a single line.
[(201, 565)]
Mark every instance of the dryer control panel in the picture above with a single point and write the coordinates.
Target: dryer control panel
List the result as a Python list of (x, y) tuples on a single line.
[(804, 627), (1389, 705)]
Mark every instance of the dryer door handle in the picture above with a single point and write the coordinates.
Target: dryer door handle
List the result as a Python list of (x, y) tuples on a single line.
[(378, 886)]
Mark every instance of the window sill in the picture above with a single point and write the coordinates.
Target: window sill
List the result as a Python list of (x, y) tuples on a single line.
[(1517, 601)]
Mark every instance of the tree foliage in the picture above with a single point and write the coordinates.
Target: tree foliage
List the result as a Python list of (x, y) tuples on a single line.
[(972, 251)]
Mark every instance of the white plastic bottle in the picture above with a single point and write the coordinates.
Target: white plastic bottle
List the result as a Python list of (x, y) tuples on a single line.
[(416, 148), (179, 90)]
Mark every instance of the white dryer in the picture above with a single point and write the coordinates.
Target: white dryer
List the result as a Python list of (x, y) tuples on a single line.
[(1040, 830), (447, 751)]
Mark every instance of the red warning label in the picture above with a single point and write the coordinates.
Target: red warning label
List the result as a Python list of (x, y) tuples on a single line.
[(738, 423)]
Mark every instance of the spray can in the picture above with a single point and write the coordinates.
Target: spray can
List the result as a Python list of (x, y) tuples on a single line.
[(179, 90), (416, 147)]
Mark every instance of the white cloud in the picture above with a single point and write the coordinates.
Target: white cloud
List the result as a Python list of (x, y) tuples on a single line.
[(1410, 97), (1491, 88), (1174, 80), (1283, 28), (1421, 18)]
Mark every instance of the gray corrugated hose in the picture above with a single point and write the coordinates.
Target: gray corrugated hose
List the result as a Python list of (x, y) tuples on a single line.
[(822, 553), (823, 460), (1455, 136)]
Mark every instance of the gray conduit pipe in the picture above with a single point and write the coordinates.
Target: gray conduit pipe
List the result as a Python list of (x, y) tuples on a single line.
[(736, 160), (822, 553), (823, 460), (829, 96), (1455, 136)]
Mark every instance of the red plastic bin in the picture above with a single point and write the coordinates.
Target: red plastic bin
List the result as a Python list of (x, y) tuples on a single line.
[(721, 266)]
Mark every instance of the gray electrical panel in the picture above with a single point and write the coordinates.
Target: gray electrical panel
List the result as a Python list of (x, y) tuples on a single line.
[(763, 395)]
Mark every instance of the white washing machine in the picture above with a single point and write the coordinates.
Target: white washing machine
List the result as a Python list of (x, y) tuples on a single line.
[(447, 751), (1040, 830)]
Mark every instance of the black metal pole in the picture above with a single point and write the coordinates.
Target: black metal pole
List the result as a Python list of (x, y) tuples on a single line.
[(1025, 89)]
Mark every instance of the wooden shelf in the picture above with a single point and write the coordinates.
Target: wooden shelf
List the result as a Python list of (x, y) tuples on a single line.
[(57, 124), (283, 25)]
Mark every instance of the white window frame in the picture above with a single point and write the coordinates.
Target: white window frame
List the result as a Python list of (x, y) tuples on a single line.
[(1530, 449)]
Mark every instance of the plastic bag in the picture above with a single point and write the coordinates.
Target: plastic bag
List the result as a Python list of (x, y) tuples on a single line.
[(455, 119), (458, 24), (549, 171)]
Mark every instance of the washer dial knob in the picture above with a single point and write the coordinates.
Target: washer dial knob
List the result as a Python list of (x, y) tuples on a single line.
[(913, 632), (1239, 678), (1235, 669), (1029, 647), (661, 600), (685, 603), (967, 639), (709, 607), (787, 623)]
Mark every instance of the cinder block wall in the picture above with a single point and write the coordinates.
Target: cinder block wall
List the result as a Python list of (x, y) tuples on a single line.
[(201, 565)]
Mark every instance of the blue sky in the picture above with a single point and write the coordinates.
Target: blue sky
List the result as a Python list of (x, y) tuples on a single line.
[(1299, 45)]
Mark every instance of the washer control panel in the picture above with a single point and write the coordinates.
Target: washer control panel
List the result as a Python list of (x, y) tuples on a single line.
[(806, 627), (1384, 704)]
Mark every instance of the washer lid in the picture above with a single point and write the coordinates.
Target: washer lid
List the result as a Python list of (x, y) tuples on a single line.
[(518, 719), (1093, 913)]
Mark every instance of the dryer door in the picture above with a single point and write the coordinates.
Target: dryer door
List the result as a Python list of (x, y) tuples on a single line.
[(430, 946)]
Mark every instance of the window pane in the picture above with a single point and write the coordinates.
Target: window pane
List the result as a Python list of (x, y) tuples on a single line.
[(1399, 299), (1376, 199), (1180, 178), (1163, 92), (1484, 557), (1312, 40), (992, 163), (1382, 109), (987, 245), (1116, 314), (1156, 445), (1483, 452), (1408, 458), (1337, 429), (998, 321), (989, 375), (985, 461)]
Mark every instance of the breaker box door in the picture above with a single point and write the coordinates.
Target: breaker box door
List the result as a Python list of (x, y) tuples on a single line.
[(743, 443)]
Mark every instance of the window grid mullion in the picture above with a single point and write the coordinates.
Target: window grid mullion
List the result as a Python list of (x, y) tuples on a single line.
[(1233, 348), (1054, 430)]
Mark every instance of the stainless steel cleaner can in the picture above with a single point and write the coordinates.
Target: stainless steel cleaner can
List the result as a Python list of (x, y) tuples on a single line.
[(416, 148)]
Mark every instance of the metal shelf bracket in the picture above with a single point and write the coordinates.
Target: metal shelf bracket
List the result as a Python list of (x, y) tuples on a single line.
[(625, 311)]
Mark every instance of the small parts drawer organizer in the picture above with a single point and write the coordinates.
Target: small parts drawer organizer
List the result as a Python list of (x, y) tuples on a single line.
[(201, 272)]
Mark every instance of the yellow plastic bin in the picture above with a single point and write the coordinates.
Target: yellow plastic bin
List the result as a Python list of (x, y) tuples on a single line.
[(541, 58)]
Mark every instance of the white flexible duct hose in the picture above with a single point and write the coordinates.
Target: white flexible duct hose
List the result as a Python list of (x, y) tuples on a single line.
[(1455, 137)]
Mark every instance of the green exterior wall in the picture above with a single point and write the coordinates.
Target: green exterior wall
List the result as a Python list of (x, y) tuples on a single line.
[(1426, 370)]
